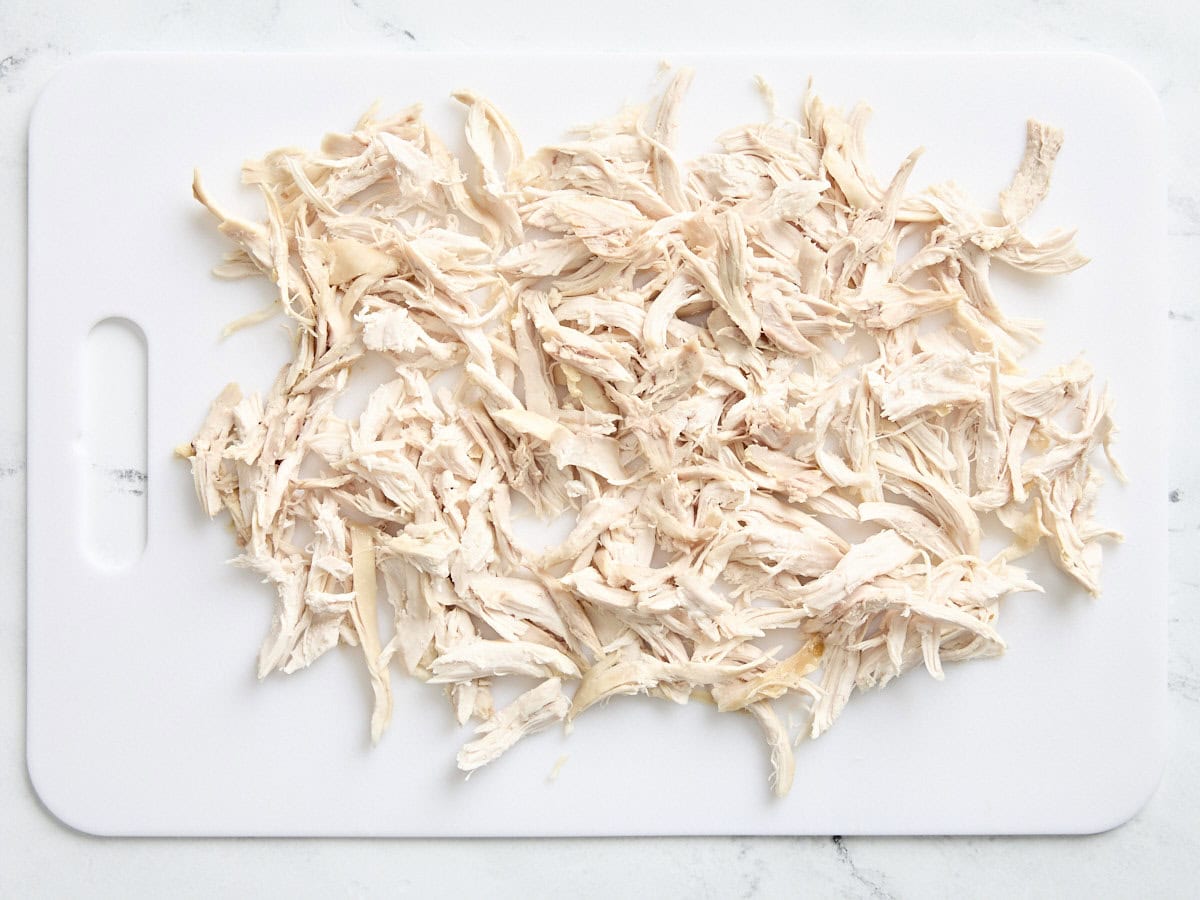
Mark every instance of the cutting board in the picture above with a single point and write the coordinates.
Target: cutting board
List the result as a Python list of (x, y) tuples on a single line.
[(144, 714)]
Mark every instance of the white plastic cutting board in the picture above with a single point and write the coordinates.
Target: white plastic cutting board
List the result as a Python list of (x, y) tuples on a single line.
[(144, 715)]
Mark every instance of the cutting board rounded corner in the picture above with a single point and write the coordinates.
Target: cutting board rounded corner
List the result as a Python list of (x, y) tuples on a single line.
[(59, 799), (56, 94), (1138, 92), (1125, 809)]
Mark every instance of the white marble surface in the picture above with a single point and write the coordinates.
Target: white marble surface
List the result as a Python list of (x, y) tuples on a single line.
[(1152, 855)]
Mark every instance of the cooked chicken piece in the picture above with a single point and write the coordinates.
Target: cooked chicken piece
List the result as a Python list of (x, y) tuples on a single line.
[(530, 713), (783, 760), (1032, 180), (366, 625), (877, 555), (776, 681), (482, 658), (708, 367)]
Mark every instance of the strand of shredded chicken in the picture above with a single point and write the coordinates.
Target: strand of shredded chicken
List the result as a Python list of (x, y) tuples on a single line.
[(716, 366)]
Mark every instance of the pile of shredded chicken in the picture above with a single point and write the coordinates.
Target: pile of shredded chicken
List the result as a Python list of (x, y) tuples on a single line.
[(771, 431)]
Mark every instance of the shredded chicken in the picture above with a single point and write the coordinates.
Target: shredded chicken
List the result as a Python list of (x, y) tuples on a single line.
[(780, 443)]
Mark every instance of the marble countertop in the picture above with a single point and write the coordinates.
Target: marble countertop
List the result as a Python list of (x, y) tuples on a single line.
[(1153, 854)]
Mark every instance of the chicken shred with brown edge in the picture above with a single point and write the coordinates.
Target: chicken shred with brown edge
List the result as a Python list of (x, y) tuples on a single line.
[(779, 442)]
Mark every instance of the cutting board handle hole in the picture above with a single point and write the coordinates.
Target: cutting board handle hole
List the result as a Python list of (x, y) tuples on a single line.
[(116, 480)]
